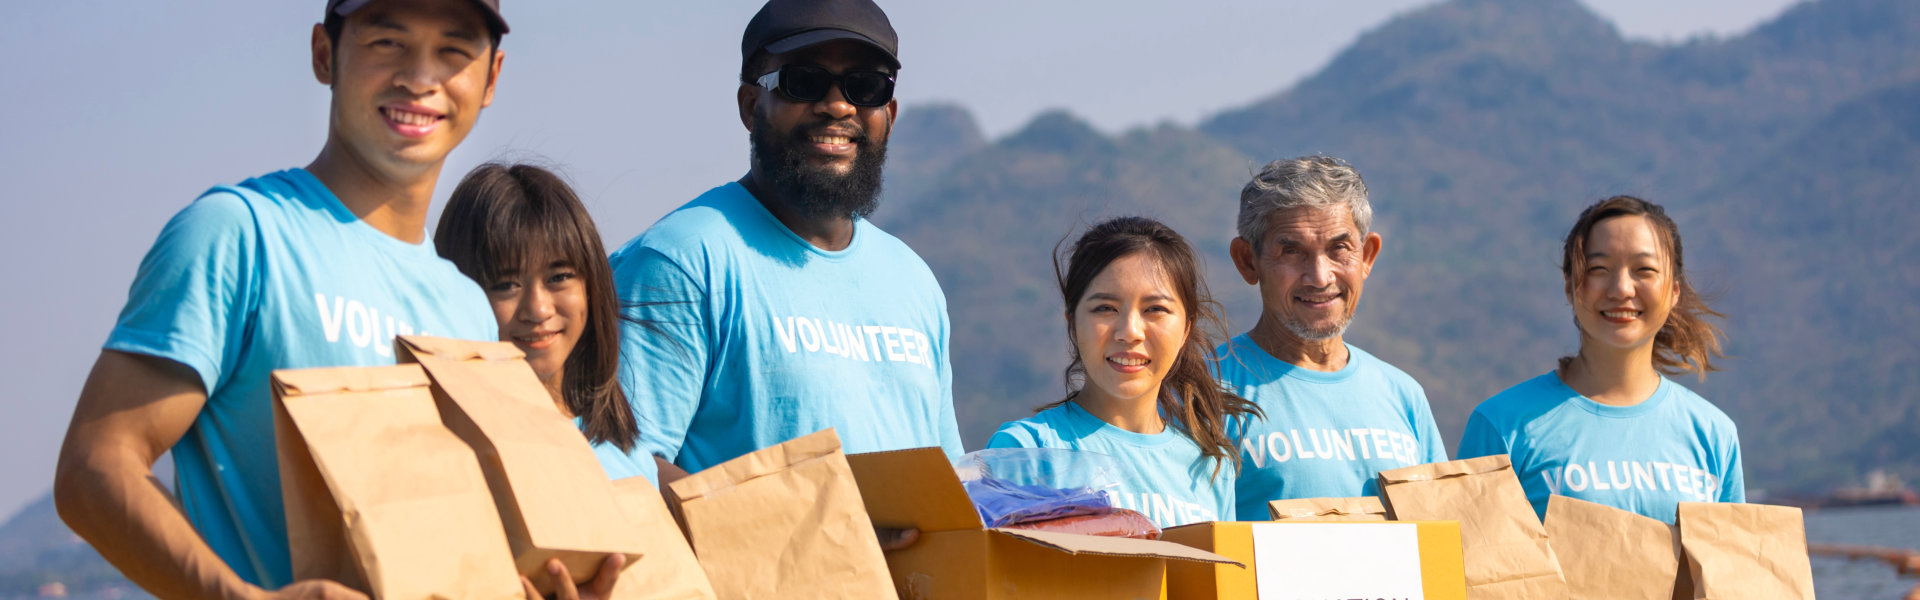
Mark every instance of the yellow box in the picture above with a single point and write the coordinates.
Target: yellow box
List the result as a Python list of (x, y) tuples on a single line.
[(957, 557), (1442, 570)]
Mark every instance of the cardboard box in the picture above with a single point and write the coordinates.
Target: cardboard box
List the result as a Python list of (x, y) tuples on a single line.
[(957, 557), (1441, 571)]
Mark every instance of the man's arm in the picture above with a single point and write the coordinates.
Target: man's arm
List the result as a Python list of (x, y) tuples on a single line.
[(132, 409)]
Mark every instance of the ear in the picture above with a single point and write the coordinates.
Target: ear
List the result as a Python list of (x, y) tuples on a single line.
[(1244, 260), (749, 98), (322, 55), (493, 77), (1370, 250)]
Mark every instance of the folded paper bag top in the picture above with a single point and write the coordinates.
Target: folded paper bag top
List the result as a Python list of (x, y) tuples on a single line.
[(1612, 554), (421, 527), (784, 521), (1363, 508), (1745, 550), (1506, 549), (554, 498)]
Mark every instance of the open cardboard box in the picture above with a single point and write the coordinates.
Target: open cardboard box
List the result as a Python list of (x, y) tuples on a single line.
[(1442, 573), (957, 557)]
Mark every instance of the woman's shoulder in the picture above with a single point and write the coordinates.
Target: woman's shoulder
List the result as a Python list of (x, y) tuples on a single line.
[(1525, 400), (1042, 430), (1697, 408)]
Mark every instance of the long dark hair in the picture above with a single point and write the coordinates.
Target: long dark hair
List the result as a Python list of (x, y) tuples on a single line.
[(1199, 405), (502, 215), (1686, 342)]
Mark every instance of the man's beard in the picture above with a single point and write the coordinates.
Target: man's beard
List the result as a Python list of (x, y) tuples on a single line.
[(814, 192), (1308, 332)]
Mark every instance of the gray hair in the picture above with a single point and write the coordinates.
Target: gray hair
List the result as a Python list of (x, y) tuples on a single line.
[(1306, 182)]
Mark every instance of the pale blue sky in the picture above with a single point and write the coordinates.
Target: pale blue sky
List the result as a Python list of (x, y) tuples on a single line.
[(118, 112)]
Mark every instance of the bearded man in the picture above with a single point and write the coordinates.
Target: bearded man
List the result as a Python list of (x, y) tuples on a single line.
[(769, 308), (1335, 415)]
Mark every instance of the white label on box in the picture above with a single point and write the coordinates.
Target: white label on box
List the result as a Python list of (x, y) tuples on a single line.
[(1337, 561)]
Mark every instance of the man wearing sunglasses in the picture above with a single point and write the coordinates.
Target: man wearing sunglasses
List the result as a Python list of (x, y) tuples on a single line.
[(772, 307)]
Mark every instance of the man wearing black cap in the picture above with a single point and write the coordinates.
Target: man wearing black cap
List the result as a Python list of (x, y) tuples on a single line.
[(312, 267), (775, 309)]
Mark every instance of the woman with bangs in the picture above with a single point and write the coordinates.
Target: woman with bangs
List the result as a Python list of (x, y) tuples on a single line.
[(523, 235), (1607, 425), (1136, 309)]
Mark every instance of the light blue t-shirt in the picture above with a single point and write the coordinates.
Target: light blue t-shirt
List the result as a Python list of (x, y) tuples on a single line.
[(1647, 458), (275, 273), (755, 336), (1325, 435), (620, 464), (1166, 477)]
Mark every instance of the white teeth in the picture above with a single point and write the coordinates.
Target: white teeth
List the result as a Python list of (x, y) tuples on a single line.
[(407, 118), (1128, 361), (821, 139), (1622, 314)]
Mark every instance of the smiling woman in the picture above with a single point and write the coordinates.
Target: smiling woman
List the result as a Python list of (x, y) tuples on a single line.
[(1137, 315), (523, 235), (1609, 408)]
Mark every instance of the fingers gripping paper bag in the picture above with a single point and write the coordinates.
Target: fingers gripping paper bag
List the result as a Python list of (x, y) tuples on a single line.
[(668, 571), (1505, 546), (1745, 551), (379, 495), (554, 499), (1364, 508), (785, 521), (1612, 554)]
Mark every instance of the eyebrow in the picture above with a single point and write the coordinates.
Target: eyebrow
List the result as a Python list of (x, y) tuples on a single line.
[(1116, 297), (1290, 241), (387, 23), (1594, 255)]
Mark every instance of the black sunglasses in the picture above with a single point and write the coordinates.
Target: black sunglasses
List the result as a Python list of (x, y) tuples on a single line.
[(808, 83)]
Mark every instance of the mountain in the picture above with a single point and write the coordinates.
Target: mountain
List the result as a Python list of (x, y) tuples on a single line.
[(37, 549), (1483, 126)]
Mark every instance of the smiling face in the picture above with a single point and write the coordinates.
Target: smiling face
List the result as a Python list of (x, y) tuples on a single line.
[(821, 157), (1311, 269), (1129, 327), (1625, 288), (543, 311), (409, 80)]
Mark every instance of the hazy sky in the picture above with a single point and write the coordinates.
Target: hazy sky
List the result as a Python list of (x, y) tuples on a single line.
[(114, 114)]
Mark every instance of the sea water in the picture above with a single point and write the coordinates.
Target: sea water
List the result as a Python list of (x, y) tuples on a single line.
[(1867, 579)]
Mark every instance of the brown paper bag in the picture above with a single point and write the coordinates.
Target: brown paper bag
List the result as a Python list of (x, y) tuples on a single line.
[(1745, 551), (555, 500), (1363, 508), (667, 570), (379, 495), (1608, 554), (1505, 545), (785, 521)]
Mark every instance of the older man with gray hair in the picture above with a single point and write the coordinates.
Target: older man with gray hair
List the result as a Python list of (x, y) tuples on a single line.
[(1335, 415)]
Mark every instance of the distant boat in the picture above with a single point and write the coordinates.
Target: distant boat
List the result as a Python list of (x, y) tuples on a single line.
[(1882, 489)]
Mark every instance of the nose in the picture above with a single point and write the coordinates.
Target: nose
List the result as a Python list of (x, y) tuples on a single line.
[(1130, 329), (1320, 273), (419, 73), (536, 305), (1620, 285), (834, 105)]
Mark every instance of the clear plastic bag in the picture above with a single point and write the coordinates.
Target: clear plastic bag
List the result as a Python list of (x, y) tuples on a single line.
[(1021, 485)]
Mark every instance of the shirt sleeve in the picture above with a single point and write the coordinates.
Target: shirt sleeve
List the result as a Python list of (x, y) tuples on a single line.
[(193, 298), (1012, 436), (949, 426), (1429, 432), (1733, 484), (1481, 438), (664, 347)]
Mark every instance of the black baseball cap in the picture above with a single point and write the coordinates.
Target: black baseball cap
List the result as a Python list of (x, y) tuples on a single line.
[(489, 8), (783, 26)]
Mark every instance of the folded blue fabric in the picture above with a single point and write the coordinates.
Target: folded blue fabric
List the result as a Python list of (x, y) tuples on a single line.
[(1002, 503)]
